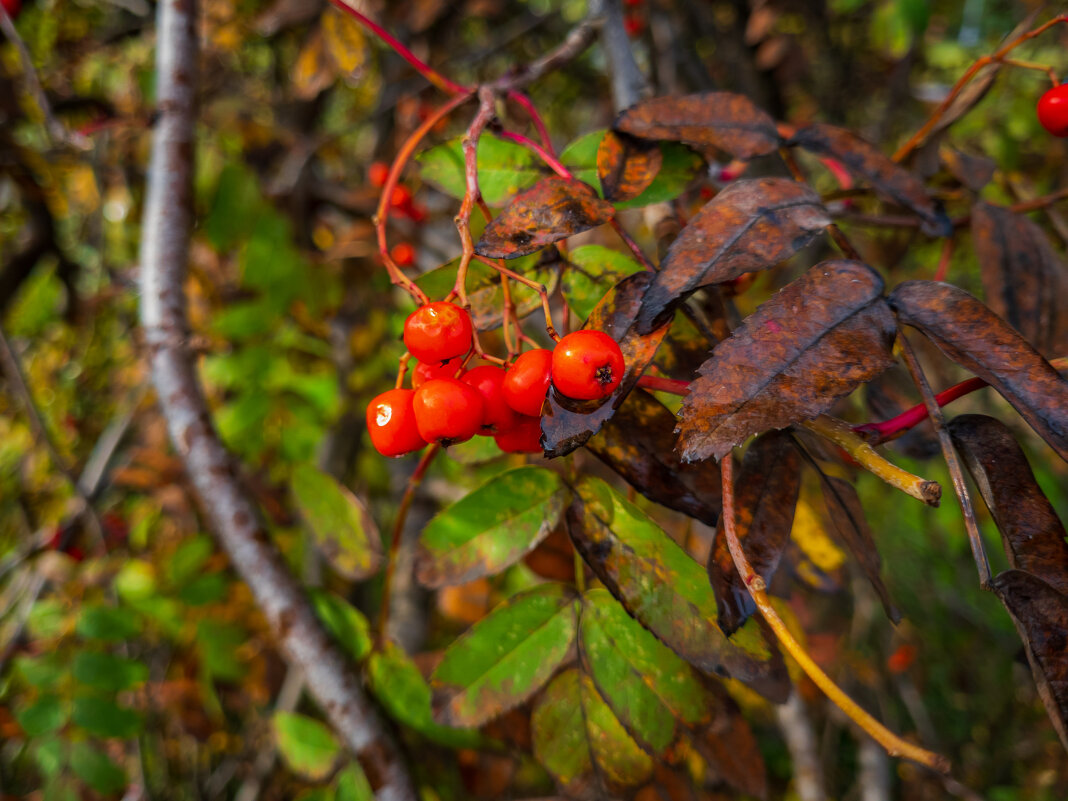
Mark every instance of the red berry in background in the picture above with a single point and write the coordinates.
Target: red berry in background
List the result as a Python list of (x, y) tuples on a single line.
[(391, 422), (12, 7), (633, 3), (378, 173), (901, 659), (497, 415), (425, 371), (438, 331), (587, 365), (524, 438), (447, 411), (403, 254), (1053, 110), (400, 197), (633, 25), (527, 381)]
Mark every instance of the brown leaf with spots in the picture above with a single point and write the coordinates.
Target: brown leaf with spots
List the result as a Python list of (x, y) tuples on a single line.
[(626, 165), (974, 337), (1041, 617), (811, 344), (866, 162), (568, 424), (553, 209), (751, 225), (1033, 535), (723, 120), (639, 444), (732, 750), (767, 489), (1025, 282)]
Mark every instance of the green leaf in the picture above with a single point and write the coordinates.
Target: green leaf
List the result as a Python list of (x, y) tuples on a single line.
[(399, 686), (108, 672), (339, 523), (492, 527), (593, 270), (352, 785), (504, 168), (306, 744), (217, 642), (189, 559), (47, 714), (50, 754), (47, 619), (136, 580), (234, 207), (206, 589), (666, 590), (680, 166), (506, 657), (346, 623), (574, 730), (43, 672), (105, 718), (647, 685), (95, 769), (108, 623)]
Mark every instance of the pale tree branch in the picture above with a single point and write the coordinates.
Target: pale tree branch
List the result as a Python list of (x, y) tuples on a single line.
[(228, 507)]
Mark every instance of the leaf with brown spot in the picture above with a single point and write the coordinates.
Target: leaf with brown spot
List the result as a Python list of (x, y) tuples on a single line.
[(751, 225), (666, 591), (639, 444), (866, 162), (727, 121), (1033, 535), (626, 165), (568, 424), (553, 209), (1025, 282), (1041, 617), (767, 489), (811, 344), (974, 337)]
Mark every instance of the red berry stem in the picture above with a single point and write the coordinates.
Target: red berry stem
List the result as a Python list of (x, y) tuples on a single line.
[(552, 161), (669, 385)]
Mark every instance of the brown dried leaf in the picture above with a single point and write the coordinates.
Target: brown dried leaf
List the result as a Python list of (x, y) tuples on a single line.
[(1041, 617), (1034, 537), (731, 748), (639, 444), (974, 172), (568, 424), (626, 165), (809, 345), (1025, 282), (890, 180), (723, 120), (969, 98), (750, 225), (973, 336), (553, 209), (766, 495)]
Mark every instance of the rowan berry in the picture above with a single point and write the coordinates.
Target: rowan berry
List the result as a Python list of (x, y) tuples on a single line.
[(378, 173), (633, 25), (497, 416), (447, 411), (587, 365), (1053, 110), (400, 197), (403, 254), (425, 371), (391, 423), (527, 381), (525, 437), (437, 332)]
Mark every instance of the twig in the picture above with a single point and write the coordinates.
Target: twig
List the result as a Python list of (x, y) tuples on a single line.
[(893, 744), (934, 411), (230, 511)]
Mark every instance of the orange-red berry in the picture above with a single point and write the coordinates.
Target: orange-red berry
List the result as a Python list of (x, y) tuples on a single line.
[(527, 381), (447, 411), (1053, 110), (425, 371), (403, 254), (437, 332), (391, 423), (587, 365), (633, 25), (523, 438), (497, 415), (400, 197), (378, 173)]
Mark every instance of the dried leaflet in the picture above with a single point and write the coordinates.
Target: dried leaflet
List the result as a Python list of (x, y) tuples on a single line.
[(751, 225), (551, 210), (626, 165), (811, 344), (723, 120), (973, 336), (766, 496), (891, 181), (1025, 282)]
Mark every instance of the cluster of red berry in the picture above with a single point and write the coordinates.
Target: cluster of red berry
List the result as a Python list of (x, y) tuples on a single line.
[(1053, 110), (403, 204), (447, 404)]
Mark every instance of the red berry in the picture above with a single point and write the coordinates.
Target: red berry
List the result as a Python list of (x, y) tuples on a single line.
[(437, 331), (632, 3), (633, 25), (527, 381), (497, 415), (425, 371), (12, 7), (1053, 110), (587, 365), (524, 438), (391, 421), (447, 411), (400, 197), (403, 254), (378, 173)]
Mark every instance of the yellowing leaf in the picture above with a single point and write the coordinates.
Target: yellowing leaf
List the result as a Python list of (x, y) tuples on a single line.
[(314, 70), (344, 41)]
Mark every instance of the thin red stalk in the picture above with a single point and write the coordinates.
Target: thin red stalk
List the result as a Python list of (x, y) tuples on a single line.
[(669, 385), (944, 260), (535, 118), (553, 162)]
